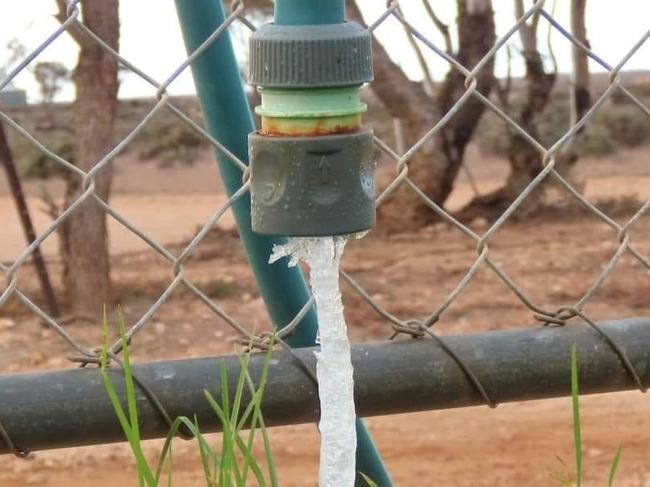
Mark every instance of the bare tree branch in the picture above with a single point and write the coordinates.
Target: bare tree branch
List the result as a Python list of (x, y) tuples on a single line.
[(534, 22), (436, 166), (581, 97), (427, 81), (504, 89), (527, 32), (62, 15), (549, 44), (394, 88), (440, 25), (524, 159)]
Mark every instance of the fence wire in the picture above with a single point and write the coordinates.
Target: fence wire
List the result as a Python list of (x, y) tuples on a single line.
[(417, 328)]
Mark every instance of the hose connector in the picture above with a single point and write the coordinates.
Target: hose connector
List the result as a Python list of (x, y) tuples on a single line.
[(312, 164)]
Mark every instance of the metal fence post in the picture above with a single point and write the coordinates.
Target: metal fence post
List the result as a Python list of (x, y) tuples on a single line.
[(228, 118)]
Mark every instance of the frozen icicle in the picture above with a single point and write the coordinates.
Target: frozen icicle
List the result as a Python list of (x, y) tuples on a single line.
[(334, 364)]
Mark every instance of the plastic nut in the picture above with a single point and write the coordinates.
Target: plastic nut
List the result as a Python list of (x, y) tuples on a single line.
[(312, 186)]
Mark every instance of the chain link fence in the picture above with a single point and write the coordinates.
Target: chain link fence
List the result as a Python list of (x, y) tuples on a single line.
[(398, 325)]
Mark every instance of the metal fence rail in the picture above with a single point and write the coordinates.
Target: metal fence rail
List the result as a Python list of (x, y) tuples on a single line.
[(616, 349), (390, 378)]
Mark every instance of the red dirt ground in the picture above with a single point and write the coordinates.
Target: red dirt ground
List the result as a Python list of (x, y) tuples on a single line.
[(553, 257)]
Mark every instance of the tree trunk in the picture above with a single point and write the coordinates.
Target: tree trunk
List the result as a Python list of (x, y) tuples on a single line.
[(476, 31), (435, 167), (86, 258), (525, 161), (581, 96)]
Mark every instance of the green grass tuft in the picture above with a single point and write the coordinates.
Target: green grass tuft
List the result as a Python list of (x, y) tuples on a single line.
[(566, 481), (234, 462)]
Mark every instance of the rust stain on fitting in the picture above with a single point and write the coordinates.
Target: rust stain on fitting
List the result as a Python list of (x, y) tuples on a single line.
[(278, 127), (270, 132)]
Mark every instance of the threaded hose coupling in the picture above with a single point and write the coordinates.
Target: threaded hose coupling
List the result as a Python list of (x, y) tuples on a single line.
[(312, 164)]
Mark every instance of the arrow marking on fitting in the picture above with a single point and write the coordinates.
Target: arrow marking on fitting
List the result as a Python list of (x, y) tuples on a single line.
[(324, 168), (269, 191)]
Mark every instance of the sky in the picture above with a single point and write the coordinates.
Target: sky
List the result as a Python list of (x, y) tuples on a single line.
[(151, 38)]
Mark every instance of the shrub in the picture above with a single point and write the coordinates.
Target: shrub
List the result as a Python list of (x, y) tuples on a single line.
[(613, 127), (171, 143), (626, 124), (34, 164)]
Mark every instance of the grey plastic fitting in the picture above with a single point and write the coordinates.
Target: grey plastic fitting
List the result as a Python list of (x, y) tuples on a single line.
[(313, 174), (312, 186), (310, 56)]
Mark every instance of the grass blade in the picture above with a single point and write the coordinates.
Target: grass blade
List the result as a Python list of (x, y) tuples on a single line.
[(239, 391), (368, 480), (268, 453), (247, 448), (206, 454), (229, 466), (226, 443), (257, 414), (234, 414), (614, 467), (204, 448), (144, 472), (575, 401), (170, 464), (250, 461), (131, 399)]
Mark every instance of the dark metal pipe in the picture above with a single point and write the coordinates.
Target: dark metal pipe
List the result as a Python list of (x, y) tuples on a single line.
[(70, 407)]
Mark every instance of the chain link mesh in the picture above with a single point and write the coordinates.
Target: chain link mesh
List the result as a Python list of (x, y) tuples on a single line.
[(417, 328)]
